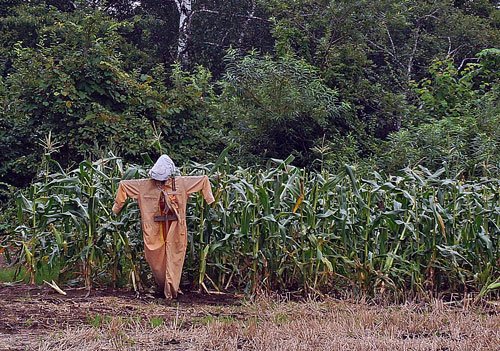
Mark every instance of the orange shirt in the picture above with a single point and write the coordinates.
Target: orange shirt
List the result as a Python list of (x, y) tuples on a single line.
[(147, 194)]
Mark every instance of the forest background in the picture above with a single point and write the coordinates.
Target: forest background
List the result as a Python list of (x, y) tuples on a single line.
[(380, 85)]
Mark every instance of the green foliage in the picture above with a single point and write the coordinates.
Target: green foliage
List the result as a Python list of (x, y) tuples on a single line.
[(278, 228), (452, 93), (156, 322), (65, 221), (371, 50), (190, 131), (11, 274), (101, 75), (80, 77), (456, 125), (276, 107), (283, 227), (20, 23), (73, 84), (98, 321)]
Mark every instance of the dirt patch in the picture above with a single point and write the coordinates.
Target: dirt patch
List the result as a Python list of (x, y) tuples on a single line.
[(27, 308), (37, 318)]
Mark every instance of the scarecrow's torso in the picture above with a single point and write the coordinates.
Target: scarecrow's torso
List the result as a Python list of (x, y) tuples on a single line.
[(148, 191)]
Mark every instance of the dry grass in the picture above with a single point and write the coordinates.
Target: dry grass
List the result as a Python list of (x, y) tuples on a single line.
[(342, 326), (271, 325)]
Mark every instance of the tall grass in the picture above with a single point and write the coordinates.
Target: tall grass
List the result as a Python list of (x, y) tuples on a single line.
[(278, 228), (65, 221), (284, 227)]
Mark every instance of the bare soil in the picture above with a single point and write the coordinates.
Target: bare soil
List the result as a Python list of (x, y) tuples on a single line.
[(38, 318), (29, 313)]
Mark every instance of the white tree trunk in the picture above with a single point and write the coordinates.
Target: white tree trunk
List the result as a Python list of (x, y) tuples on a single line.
[(185, 8)]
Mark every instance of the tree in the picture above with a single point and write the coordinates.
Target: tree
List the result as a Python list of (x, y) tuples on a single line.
[(196, 32), (456, 123), (190, 132), (372, 50), (275, 107), (185, 8), (73, 84)]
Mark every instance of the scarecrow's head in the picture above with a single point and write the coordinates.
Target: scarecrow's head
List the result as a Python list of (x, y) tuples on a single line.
[(163, 169)]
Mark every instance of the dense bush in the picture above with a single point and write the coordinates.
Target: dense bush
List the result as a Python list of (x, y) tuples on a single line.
[(73, 84), (274, 108), (101, 75), (456, 125)]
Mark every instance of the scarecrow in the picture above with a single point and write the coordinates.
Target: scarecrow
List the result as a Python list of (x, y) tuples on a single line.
[(162, 201)]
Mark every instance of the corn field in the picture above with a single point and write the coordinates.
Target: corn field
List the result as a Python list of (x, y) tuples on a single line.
[(277, 228)]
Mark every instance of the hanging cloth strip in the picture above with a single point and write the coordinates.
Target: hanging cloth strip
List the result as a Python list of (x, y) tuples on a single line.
[(166, 212)]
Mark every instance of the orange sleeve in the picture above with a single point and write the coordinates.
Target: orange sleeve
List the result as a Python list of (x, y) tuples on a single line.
[(126, 188), (197, 183)]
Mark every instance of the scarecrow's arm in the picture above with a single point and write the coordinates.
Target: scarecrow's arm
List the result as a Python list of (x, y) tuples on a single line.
[(197, 183), (126, 188)]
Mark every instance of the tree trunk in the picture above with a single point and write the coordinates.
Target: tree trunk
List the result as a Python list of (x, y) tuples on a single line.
[(185, 12)]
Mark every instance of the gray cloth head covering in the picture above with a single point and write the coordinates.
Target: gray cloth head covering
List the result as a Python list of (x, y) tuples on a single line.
[(163, 168)]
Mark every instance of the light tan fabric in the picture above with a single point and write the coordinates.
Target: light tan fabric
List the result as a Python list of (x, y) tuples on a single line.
[(164, 251)]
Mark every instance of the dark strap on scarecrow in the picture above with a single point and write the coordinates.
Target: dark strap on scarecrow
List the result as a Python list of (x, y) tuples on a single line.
[(166, 213)]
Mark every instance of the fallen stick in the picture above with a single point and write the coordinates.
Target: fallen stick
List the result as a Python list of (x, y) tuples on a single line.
[(54, 286)]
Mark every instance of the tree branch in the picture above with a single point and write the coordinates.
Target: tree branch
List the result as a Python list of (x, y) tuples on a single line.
[(246, 23), (413, 52), (205, 10), (429, 15), (390, 39), (466, 61), (250, 16)]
